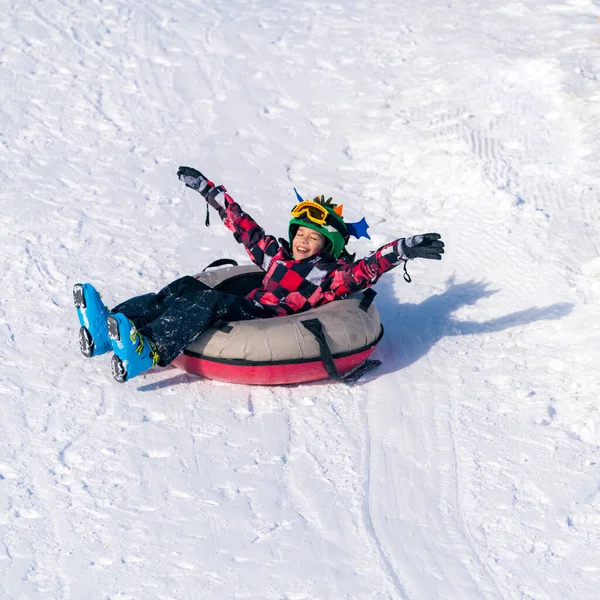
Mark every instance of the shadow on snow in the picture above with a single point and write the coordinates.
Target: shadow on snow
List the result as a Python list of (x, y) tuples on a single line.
[(411, 330)]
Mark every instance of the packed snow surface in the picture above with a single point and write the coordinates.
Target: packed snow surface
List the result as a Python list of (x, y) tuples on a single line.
[(468, 465)]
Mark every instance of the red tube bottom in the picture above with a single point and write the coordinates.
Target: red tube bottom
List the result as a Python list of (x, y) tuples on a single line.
[(268, 374)]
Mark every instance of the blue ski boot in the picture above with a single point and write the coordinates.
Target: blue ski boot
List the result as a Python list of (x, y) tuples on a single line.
[(133, 352), (93, 335)]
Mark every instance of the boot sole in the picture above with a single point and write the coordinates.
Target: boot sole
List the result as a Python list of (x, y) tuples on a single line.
[(78, 296), (113, 328), (86, 343), (119, 372), (118, 369)]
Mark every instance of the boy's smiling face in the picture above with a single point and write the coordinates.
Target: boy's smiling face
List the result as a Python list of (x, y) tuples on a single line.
[(307, 242)]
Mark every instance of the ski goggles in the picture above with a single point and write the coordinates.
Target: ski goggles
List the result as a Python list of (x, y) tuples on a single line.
[(313, 211)]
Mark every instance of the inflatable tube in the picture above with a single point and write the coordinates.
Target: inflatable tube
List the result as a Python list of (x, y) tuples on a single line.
[(327, 341)]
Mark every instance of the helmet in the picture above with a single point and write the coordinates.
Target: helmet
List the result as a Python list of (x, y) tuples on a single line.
[(320, 215)]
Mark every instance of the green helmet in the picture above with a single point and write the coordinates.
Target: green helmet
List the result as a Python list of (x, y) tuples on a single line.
[(334, 229)]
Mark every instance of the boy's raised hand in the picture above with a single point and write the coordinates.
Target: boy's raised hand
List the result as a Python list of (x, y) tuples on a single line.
[(425, 245), (192, 178), (195, 180)]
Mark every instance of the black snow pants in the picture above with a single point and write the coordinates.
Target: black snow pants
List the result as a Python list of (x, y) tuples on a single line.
[(181, 311)]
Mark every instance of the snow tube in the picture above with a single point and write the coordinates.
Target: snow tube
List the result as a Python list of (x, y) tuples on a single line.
[(329, 341)]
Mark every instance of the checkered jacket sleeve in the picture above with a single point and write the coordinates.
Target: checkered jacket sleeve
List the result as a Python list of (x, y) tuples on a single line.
[(260, 247), (362, 274)]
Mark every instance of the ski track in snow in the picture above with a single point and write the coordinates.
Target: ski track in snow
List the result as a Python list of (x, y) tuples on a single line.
[(467, 466)]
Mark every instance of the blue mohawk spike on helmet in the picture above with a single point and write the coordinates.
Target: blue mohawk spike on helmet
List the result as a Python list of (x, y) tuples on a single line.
[(358, 229), (300, 198)]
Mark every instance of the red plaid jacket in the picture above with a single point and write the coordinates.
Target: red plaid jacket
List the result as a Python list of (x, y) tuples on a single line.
[(293, 286)]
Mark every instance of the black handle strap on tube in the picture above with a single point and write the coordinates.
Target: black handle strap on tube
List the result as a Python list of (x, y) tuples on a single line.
[(220, 262), (316, 328), (368, 297), (223, 326)]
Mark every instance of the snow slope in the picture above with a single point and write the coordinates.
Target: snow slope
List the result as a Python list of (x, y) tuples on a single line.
[(467, 467)]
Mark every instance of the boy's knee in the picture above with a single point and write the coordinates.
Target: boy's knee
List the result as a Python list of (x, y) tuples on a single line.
[(187, 283)]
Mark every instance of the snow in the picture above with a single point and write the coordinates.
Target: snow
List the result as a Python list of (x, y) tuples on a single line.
[(467, 466)]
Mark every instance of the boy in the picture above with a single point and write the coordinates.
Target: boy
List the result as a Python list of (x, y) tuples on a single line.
[(312, 269)]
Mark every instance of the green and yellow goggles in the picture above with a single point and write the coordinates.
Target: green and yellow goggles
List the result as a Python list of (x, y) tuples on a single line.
[(312, 211)]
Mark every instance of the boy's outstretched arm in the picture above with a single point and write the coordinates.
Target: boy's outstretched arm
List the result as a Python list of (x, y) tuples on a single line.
[(260, 247), (363, 273)]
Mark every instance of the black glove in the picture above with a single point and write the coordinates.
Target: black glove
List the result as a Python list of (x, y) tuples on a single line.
[(193, 179), (426, 245)]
